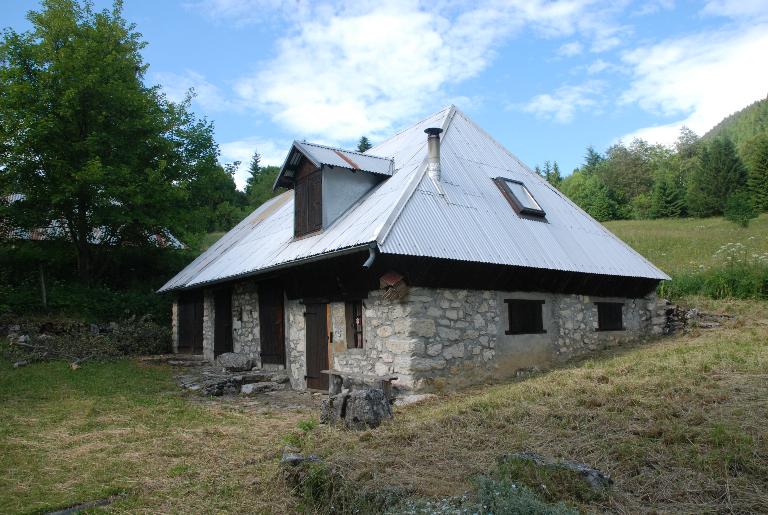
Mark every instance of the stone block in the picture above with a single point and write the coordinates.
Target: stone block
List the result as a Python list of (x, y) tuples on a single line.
[(434, 349), (446, 333), (384, 331), (234, 362), (423, 327)]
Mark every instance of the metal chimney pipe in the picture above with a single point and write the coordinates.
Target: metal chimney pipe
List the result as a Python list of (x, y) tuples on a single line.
[(433, 152)]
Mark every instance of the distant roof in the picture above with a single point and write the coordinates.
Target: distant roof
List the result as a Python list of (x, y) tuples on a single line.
[(57, 230), (321, 155), (469, 220)]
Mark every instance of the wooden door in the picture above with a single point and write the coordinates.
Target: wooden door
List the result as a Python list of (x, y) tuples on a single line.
[(190, 320), (272, 323), (222, 324), (317, 345)]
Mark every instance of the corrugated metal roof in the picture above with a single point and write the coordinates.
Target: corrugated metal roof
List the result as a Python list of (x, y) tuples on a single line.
[(474, 222), (407, 215), (264, 240), (320, 154)]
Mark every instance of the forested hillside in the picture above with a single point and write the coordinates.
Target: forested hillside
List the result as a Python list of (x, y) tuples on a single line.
[(743, 125), (723, 173)]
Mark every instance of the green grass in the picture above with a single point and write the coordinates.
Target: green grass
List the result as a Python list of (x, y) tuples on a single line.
[(72, 436), (710, 256), (688, 244)]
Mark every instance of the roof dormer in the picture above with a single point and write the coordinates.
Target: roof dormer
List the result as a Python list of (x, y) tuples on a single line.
[(327, 181)]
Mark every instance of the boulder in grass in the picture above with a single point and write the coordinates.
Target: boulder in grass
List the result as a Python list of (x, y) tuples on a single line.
[(366, 409), (234, 362)]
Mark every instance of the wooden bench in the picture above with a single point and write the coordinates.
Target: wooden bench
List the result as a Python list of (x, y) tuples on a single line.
[(336, 381)]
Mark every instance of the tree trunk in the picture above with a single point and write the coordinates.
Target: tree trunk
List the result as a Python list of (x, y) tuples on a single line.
[(43, 292), (84, 262)]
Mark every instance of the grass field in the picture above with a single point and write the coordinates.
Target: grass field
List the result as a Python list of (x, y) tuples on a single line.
[(688, 244), (68, 437)]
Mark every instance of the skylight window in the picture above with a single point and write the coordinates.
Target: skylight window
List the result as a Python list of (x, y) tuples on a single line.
[(519, 197)]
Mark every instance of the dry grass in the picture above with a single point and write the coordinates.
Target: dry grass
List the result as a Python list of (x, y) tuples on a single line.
[(68, 437), (680, 424)]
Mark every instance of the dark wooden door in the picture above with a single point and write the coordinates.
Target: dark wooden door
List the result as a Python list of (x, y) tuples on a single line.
[(317, 345), (222, 324), (272, 323), (190, 320)]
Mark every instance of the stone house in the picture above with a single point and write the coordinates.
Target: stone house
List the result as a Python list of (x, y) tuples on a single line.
[(439, 258)]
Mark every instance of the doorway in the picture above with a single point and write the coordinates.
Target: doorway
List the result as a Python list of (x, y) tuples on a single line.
[(315, 315), (272, 323)]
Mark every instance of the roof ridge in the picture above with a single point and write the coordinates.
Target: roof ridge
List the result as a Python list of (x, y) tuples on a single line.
[(344, 150), (449, 108), (411, 186)]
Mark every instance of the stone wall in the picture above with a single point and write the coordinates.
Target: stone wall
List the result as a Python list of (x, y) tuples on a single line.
[(246, 332), (439, 338), (175, 325), (208, 318), (435, 338), (295, 344)]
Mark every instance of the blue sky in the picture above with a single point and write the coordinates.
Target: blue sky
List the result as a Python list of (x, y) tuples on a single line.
[(546, 79)]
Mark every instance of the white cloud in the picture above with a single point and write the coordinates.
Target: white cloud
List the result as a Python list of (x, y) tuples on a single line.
[(562, 105), (365, 67), (244, 12), (654, 6), (700, 79), (570, 49), (207, 95), (750, 9), (598, 66), (271, 152)]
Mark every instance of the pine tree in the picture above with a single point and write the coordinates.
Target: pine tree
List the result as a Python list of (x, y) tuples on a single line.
[(255, 168), (755, 153), (555, 179), (363, 144), (719, 174), (667, 198)]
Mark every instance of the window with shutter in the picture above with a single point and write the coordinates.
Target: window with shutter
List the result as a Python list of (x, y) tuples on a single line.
[(610, 316), (354, 315), (308, 204), (525, 316)]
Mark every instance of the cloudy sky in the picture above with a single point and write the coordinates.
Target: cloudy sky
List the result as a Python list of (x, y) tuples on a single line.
[(546, 79)]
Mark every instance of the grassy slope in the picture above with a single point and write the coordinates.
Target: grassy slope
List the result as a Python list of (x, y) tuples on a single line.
[(685, 245), (679, 424), (68, 437)]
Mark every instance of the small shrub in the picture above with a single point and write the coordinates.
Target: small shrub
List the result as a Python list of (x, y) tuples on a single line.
[(740, 208), (553, 483), (496, 497), (307, 425)]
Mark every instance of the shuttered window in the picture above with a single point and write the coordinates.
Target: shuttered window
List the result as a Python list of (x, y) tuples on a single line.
[(308, 204), (609, 316), (354, 315), (525, 316)]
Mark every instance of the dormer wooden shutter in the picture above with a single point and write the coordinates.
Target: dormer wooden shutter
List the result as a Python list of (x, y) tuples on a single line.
[(300, 209), (308, 200), (315, 201)]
